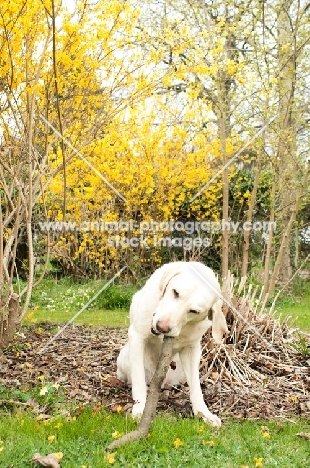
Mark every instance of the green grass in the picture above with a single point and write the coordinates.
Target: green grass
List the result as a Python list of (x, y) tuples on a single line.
[(296, 303), (58, 301), (82, 439)]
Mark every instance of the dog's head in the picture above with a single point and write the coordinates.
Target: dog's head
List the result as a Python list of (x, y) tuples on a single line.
[(189, 293)]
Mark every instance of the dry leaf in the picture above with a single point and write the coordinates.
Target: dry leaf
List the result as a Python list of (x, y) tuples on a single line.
[(51, 460), (42, 417), (305, 435)]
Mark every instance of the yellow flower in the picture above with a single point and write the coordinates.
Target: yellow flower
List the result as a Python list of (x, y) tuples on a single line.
[(56, 385), (244, 466), (258, 462), (293, 398), (43, 391), (58, 425), (266, 435), (1, 449), (211, 443), (119, 409), (111, 458), (51, 438), (116, 435), (39, 330), (58, 455), (41, 377), (201, 429), (177, 443)]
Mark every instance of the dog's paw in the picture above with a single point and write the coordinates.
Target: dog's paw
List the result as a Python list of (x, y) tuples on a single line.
[(137, 410), (210, 419)]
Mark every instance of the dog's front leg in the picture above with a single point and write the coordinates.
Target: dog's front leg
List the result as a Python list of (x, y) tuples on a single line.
[(136, 356), (190, 359)]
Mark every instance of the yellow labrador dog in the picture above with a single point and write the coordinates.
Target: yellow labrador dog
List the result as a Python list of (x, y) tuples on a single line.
[(180, 300)]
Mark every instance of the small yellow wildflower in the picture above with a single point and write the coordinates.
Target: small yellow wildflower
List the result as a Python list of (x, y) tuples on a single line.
[(111, 458), (177, 443), (43, 391), (51, 438), (119, 409), (266, 435), (74, 418), (211, 443), (41, 377), (39, 330), (258, 462), (201, 429), (28, 345), (293, 398), (58, 455), (56, 385), (116, 435), (57, 426), (1, 449)]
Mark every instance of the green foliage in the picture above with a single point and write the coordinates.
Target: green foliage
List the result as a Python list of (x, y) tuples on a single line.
[(302, 346), (117, 296)]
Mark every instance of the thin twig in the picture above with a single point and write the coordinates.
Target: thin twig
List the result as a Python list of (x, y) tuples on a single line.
[(152, 397)]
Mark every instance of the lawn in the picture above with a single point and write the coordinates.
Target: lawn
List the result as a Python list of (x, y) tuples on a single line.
[(58, 301), (296, 303), (81, 432)]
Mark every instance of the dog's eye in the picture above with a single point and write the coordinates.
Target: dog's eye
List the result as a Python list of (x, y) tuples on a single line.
[(175, 293), (193, 311)]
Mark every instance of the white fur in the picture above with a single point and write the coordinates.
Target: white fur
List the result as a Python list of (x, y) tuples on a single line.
[(156, 306)]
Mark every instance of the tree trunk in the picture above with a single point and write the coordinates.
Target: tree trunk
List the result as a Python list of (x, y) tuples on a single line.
[(9, 321), (269, 240), (287, 232), (247, 233), (286, 153)]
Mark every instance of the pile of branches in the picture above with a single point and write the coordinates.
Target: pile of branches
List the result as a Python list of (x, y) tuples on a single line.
[(263, 358)]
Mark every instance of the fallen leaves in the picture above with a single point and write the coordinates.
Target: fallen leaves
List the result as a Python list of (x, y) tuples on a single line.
[(51, 460), (305, 435), (81, 363)]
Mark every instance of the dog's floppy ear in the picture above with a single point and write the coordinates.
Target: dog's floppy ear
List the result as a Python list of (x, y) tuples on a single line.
[(167, 276), (219, 325)]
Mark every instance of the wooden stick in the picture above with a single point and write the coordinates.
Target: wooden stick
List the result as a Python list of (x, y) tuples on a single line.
[(152, 397)]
